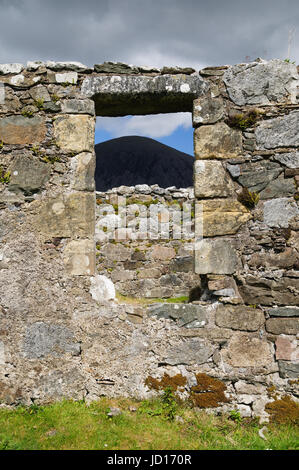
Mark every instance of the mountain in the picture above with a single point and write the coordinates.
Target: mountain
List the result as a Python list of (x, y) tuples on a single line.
[(135, 160)]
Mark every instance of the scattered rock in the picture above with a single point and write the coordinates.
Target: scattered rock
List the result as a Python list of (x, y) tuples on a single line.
[(114, 412)]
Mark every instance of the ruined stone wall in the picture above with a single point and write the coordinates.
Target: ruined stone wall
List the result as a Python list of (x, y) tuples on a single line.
[(60, 335), (149, 253)]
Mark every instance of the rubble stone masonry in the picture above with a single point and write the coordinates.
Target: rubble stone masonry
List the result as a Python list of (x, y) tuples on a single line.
[(63, 333)]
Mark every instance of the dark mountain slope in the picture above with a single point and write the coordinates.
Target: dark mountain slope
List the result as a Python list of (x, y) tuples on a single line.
[(135, 160)]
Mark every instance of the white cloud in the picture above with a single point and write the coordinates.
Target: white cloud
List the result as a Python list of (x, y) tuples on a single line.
[(153, 125), (194, 33)]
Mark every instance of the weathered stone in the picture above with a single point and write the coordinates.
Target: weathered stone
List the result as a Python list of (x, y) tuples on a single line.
[(216, 283), (114, 412), (79, 257), (189, 315), (284, 312), (122, 234), (279, 212), (28, 175), (84, 166), (115, 67), (33, 65), (281, 131), (280, 187), (47, 252), (17, 80), (239, 317), (66, 215), (20, 130), (217, 141), (287, 326), (215, 257), (110, 222), (234, 170), (75, 66), (42, 340), (2, 93), (289, 172), (247, 350), (149, 273), (74, 106), (258, 290), (162, 253), (40, 92), (287, 259), (2, 353), (11, 68), (183, 264), (244, 410), (207, 110), (210, 71), (261, 82), (248, 388), (258, 408), (52, 107), (225, 293), (123, 275), (290, 159), (287, 349), (170, 280), (211, 180), (256, 176), (102, 288), (74, 133), (67, 77), (189, 352), (117, 252), (288, 370), (177, 70), (223, 217), (143, 188), (132, 94), (57, 384)]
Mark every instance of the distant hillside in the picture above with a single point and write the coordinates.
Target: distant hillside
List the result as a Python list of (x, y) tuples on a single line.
[(135, 160)]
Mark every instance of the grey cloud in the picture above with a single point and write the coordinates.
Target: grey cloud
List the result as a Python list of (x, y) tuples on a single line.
[(166, 32)]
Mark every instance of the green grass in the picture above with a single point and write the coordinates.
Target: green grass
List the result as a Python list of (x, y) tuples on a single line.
[(75, 425), (146, 301)]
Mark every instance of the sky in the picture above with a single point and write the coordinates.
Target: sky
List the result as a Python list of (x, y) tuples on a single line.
[(195, 33)]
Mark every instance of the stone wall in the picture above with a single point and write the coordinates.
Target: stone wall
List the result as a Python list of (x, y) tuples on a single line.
[(150, 253), (62, 333)]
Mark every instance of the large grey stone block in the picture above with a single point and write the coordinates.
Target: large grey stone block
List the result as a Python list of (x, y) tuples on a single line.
[(192, 351), (215, 257), (119, 95), (187, 315), (262, 82), (278, 212), (239, 317), (211, 179), (42, 340), (288, 369), (284, 312), (278, 132), (10, 68), (28, 174)]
